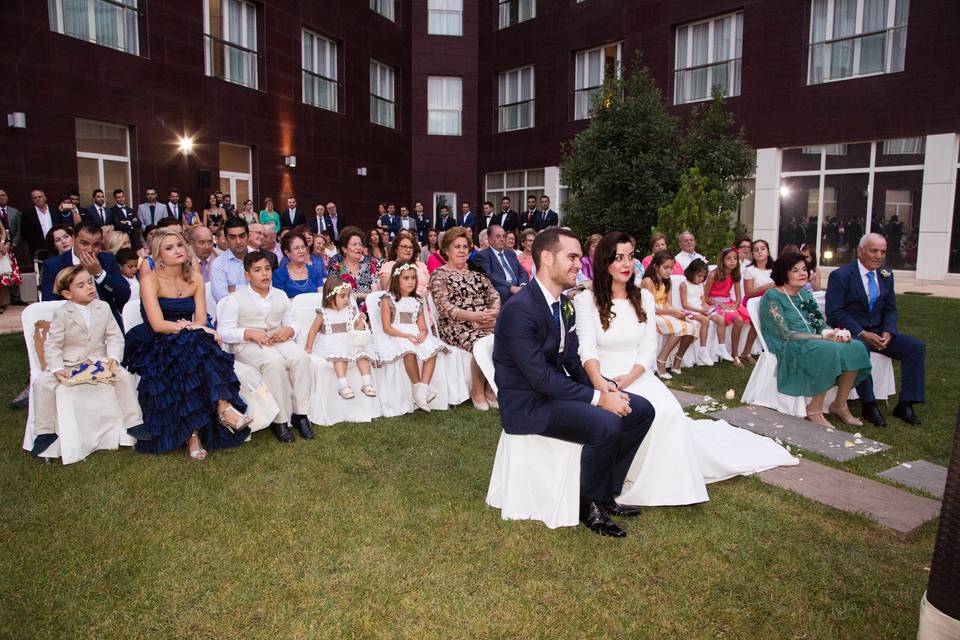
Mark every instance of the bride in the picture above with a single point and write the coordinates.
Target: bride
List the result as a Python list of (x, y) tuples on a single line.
[(618, 346)]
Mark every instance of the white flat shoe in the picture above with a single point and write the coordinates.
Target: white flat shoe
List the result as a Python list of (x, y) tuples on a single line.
[(368, 391), (493, 404), (346, 393), (480, 406)]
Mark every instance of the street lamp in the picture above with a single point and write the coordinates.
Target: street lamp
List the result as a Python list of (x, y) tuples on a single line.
[(185, 145)]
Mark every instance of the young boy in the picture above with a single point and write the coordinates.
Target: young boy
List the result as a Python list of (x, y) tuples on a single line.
[(127, 260), (83, 330)]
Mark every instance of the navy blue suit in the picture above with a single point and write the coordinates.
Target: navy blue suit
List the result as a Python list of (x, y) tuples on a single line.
[(114, 290), (423, 226), (544, 390), (488, 261), (445, 224), (848, 308), (543, 219)]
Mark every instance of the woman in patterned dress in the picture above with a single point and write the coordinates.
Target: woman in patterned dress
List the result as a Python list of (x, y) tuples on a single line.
[(361, 269), (467, 307), (672, 323)]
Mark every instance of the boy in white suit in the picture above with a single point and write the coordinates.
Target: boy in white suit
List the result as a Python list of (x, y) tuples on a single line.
[(83, 330)]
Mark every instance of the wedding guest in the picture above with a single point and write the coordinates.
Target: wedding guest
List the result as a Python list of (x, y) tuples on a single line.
[(59, 239), (9, 270), (435, 260), (151, 211), (744, 247), (330, 249), (291, 216), (268, 216), (467, 307), (405, 249), (861, 299), (229, 209), (226, 273), (68, 212), (423, 222), (501, 265), (351, 262), (586, 262), (658, 243), (811, 356), (220, 241), (82, 331), (257, 323), (270, 241), (405, 333), (113, 241), (813, 282), (318, 252), (97, 212), (214, 216), (330, 336), (247, 213), (688, 250), (123, 218), (129, 262), (756, 277), (188, 390), (374, 245), (174, 209), (444, 220), (388, 224), (190, 217), (693, 300), (298, 275), (334, 222), (201, 241), (672, 323), (432, 244), (36, 222), (723, 292), (546, 217), (525, 257), (511, 241), (483, 240), (508, 219)]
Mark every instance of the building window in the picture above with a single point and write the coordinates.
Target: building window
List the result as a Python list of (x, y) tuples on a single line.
[(230, 41), (708, 55), (382, 91), (516, 185), (445, 18), (111, 23), (903, 147), (444, 105), (516, 100), (853, 38), (514, 11), (103, 157), (592, 68), (385, 8), (444, 199), (236, 176), (829, 149), (320, 86)]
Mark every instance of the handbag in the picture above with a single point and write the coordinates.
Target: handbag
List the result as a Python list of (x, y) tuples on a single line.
[(360, 337)]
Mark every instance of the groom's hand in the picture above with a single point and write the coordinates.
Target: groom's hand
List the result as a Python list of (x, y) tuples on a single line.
[(615, 402)]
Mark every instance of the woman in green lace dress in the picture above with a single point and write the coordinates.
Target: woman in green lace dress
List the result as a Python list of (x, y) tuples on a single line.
[(811, 356)]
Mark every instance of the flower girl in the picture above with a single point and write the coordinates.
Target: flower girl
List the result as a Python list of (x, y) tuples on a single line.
[(339, 334), (691, 297), (405, 332)]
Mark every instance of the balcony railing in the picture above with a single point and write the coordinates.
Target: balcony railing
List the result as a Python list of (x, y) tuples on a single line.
[(231, 62), (517, 115)]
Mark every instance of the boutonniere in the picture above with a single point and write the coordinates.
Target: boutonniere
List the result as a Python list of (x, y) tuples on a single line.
[(884, 273), (568, 313)]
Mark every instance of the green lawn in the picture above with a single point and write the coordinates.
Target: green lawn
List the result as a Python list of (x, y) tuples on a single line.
[(380, 530)]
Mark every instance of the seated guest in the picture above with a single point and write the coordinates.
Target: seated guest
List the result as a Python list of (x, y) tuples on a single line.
[(188, 389), (352, 262), (298, 275), (467, 307), (435, 261), (744, 245), (525, 257), (258, 324), (375, 246), (201, 241), (723, 292), (672, 323), (169, 221), (688, 250), (586, 262), (546, 391), (87, 245), (812, 357), (113, 241), (432, 244), (128, 260), (405, 248), (861, 299), (59, 239), (813, 284), (501, 265), (318, 252), (83, 331), (658, 243), (226, 274)]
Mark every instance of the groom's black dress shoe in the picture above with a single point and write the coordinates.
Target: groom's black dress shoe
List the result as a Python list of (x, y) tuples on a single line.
[(302, 423), (622, 510), (282, 432), (41, 443), (905, 412), (872, 415), (593, 517)]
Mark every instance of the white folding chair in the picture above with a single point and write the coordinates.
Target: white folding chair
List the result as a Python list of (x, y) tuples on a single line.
[(211, 303), (533, 477), (88, 416)]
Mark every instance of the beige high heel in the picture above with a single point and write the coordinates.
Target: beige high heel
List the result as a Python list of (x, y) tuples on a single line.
[(199, 453)]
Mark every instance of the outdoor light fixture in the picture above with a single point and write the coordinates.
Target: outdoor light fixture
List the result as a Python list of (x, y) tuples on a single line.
[(784, 191), (17, 120), (361, 171), (290, 161), (828, 255), (185, 145)]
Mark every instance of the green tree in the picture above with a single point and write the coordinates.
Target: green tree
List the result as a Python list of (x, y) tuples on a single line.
[(699, 209), (624, 166)]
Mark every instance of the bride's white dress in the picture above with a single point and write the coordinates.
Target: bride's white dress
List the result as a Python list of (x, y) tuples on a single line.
[(679, 455)]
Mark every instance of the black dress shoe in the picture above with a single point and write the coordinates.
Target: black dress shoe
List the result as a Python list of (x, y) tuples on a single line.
[(41, 443), (302, 423), (593, 517), (282, 432), (905, 412), (872, 415), (622, 510)]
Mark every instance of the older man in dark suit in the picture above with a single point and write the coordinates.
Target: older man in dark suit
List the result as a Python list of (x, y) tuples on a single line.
[(501, 264)]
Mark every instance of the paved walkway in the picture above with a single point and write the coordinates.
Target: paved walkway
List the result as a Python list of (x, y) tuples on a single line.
[(10, 320)]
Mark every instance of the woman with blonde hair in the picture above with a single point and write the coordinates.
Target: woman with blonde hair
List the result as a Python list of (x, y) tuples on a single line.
[(113, 241)]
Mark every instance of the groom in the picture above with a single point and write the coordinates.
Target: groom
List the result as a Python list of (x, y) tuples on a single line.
[(544, 390)]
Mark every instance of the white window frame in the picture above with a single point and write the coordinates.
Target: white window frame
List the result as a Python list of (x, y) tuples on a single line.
[(583, 95), (451, 198), (905, 146), (684, 67), (101, 157), (451, 102), (512, 81), (380, 73), (437, 13), (889, 30), (236, 176), (324, 51), (526, 10), (126, 7), (385, 8), (247, 44), (494, 195)]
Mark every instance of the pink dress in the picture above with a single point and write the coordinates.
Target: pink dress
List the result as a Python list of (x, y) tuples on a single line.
[(722, 293)]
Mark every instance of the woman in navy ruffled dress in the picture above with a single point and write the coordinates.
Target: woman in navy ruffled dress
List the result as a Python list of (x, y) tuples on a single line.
[(188, 390)]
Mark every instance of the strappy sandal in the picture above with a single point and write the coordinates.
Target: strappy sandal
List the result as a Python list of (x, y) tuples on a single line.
[(368, 391), (199, 453), (347, 393), (748, 358), (663, 375), (844, 414), (737, 363), (822, 421), (677, 369), (239, 424)]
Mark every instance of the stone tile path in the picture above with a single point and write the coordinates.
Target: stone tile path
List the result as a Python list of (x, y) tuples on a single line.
[(889, 506), (834, 444), (687, 399), (919, 474)]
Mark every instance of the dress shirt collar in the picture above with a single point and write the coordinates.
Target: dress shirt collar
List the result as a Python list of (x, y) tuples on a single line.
[(546, 294), (863, 270)]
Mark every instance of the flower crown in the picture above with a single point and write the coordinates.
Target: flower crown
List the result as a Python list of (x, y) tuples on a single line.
[(404, 267), (337, 289)]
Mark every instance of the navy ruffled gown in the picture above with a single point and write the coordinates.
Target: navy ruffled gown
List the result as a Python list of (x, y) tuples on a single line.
[(182, 376)]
